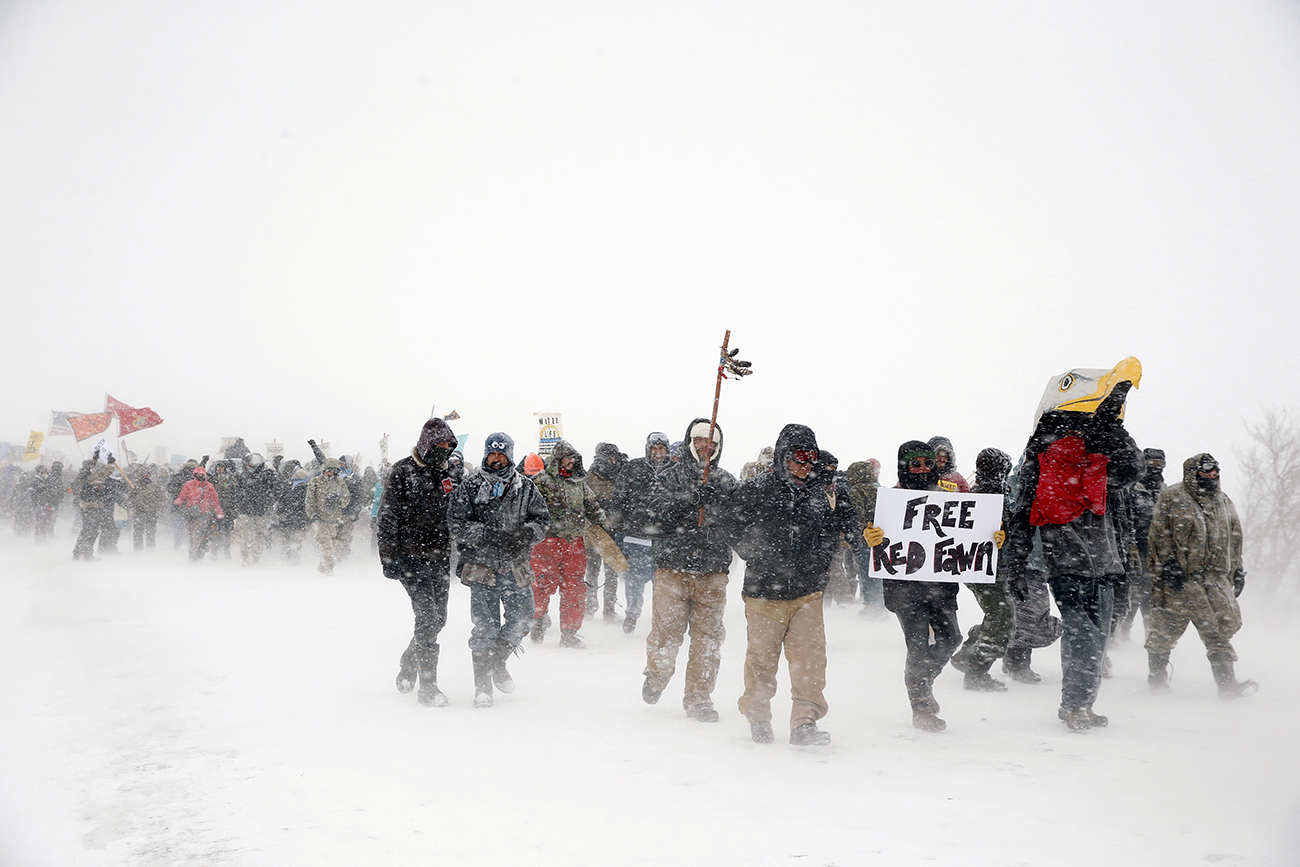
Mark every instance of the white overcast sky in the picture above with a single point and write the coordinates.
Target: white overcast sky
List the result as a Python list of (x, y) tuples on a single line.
[(291, 220)]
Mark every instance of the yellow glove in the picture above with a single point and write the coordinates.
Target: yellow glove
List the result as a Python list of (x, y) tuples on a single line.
[(873, 534), (999, 537)]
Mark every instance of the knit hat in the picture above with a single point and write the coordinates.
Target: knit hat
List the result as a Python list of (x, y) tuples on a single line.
[(533, 464)]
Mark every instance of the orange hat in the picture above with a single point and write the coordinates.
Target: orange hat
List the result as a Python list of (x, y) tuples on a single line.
[(533, 464)]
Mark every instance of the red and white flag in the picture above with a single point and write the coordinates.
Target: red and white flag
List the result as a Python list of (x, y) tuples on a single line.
[(130, 419)]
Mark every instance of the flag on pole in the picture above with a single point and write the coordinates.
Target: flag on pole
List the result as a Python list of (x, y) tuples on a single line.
[(130, 419), (86, 426), (33, 446), (59, 426)]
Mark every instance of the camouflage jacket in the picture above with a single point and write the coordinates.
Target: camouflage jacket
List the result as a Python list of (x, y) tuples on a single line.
[(1197, 528)]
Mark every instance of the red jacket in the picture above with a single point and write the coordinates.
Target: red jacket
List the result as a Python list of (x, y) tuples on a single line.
[(201, 493)]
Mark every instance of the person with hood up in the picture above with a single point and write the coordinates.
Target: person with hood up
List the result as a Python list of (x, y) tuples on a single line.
[(946, 460), (326, 502), (47, 495), (787, 530), (291, 512), (601, 477), (1195, 558), (560, 560), (415, 549), (988, 640), (1078, 452), (146, 498), (256, 487), (633, 515), (692, 557), (496, 516), (1143, 495), (926, 610), (199, 503)]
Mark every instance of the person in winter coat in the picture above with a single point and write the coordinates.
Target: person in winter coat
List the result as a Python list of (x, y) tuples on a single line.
[(1195, 556), (47, 495), (256, 487), (606, 463), (327, 498), (988, 640), (145, 501), (352, 512), (496, 516), (291, 512), (787, 530), (863, 478), (223, 479), (1079, 450), (415, 549), (199, 503), (96, 492), (763, 464), (560, 560), (1144, 493), (692, 558), (946, 460), (633, 516), (926, 610)]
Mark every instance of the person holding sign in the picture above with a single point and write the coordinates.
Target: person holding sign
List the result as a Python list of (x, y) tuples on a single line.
[(923, 608), (787, 529)]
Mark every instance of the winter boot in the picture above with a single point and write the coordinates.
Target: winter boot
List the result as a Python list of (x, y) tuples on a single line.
[(808, 735), (1016, 664), (704, 712), (1075, 719), (978, 679), (569, 638), (482, 660), (538, 633), (649, 694), (1158, 671), (925, 712), (501, 678), (429, 694), (629, 624), (407, 673), (761, 732), (1226, 678)]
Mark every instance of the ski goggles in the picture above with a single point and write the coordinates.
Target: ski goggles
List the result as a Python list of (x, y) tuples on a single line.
[(804, 456), (920, 463)]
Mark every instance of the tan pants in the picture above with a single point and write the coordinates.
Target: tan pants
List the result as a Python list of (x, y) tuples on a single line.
[(326, 533), (797, 626), (685, 600)]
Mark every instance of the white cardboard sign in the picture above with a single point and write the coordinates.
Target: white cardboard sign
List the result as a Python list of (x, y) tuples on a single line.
[(937, 536)]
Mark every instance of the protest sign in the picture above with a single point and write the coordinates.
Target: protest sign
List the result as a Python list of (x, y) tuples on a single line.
[(937, 536)]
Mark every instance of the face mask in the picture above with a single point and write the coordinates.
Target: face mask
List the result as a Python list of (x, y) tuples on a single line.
[(1207, 484), (437, 455)]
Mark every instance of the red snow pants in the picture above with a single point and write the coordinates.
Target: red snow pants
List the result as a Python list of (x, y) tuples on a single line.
[(561, 564)]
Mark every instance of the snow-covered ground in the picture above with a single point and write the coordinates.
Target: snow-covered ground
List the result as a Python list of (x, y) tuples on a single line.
[(159, 713)]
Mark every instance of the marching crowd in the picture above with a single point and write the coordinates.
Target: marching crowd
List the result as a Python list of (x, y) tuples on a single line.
[(1088, 522)]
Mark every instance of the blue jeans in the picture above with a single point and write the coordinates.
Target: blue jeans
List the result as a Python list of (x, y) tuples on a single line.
[(640, 571), (1086, 606), (501, 612)]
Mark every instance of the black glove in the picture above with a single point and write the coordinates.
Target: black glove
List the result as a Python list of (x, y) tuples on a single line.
[(706, 494), (1019, 584), (1172, 574), (1238, 582)]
